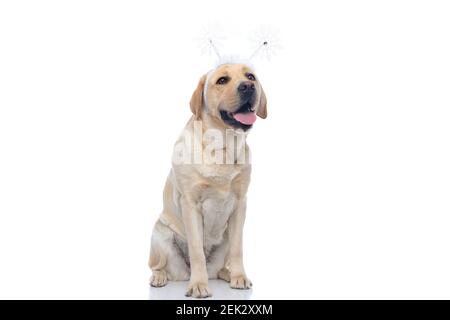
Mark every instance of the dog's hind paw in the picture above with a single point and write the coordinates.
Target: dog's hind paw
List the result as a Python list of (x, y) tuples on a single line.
[(240, 282), (158, 279), (224, 274)]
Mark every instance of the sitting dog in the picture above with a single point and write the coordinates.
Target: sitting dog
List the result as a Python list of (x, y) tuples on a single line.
[(198, 236)]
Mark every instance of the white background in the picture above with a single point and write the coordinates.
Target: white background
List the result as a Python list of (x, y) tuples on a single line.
[(350, 194)]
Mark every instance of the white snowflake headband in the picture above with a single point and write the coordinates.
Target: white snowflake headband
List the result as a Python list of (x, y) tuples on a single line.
[(264, 44)]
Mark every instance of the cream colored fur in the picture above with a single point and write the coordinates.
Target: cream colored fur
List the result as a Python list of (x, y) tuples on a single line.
[(199, 233)]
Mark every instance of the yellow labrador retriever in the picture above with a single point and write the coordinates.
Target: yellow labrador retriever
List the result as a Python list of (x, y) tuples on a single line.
[(198, 236)]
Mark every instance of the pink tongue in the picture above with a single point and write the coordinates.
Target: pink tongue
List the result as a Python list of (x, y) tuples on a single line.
[(245, 118)]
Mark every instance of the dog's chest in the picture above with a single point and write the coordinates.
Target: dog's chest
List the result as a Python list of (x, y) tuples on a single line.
[(217, 206)]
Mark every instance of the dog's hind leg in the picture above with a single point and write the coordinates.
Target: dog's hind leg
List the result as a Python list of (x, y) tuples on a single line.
[(158, 259), (217, 260), (159, 275), (224, 272), (166, 262)]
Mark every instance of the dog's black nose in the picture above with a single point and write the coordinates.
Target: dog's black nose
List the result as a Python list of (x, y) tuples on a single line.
[(246, 88)]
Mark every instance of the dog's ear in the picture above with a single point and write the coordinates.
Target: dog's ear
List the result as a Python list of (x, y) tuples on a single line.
[(262, 108), (197, 98)]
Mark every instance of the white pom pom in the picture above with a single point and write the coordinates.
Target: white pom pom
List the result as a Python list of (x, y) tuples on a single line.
[(210, 40), (265, 42)]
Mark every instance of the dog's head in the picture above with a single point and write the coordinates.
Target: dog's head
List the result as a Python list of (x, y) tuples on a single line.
[(232, 94)]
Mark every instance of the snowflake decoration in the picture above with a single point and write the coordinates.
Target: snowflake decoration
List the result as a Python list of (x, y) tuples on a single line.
[(265, 42), (211, 40)]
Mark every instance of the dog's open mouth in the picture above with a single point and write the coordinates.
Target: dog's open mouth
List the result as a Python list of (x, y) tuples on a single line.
[(243, 118)]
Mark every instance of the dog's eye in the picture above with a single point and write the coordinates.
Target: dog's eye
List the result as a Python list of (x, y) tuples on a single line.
[(251, 76), (222, 80)]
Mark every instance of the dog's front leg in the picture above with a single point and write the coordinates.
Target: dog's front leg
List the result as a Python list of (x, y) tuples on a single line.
[(238, 278), (193, 223)]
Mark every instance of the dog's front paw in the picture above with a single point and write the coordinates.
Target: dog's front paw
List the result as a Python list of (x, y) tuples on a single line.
[(198, 290), (240, 282)]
